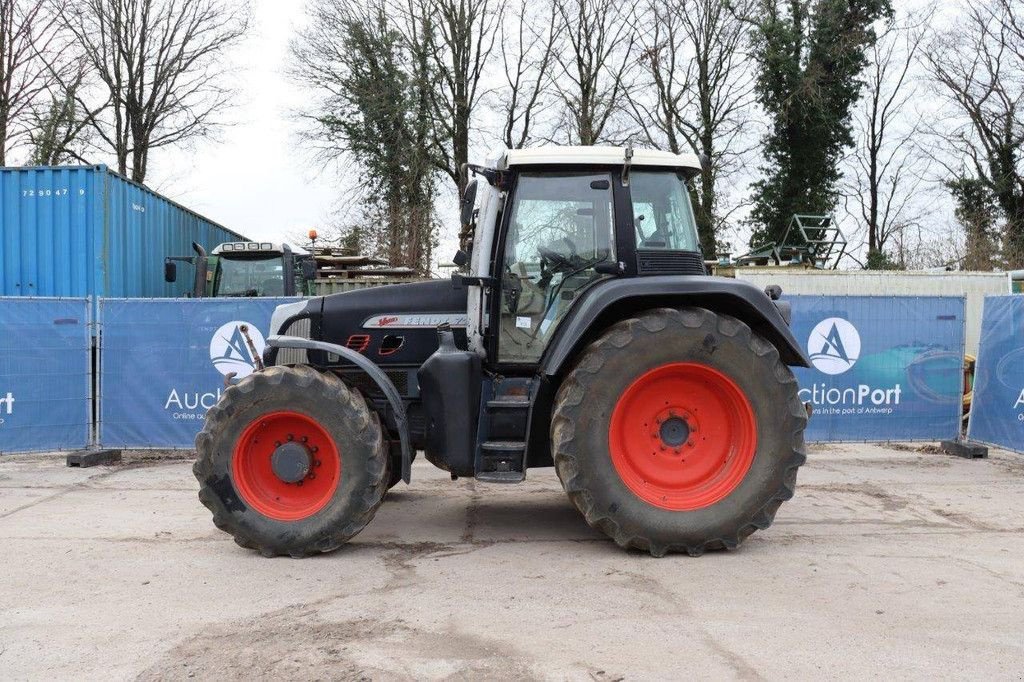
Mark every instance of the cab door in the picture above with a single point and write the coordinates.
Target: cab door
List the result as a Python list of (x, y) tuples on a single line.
[(559, 231)]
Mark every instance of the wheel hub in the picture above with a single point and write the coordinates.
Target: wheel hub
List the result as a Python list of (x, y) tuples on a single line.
[(674, 431), (291, 462)]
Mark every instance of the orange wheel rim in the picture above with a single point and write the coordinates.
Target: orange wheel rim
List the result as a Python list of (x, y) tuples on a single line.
[(682, 436), (286, 466)]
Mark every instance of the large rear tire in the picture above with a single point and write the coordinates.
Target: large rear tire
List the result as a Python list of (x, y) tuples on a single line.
[(291, 461), (678, 430)]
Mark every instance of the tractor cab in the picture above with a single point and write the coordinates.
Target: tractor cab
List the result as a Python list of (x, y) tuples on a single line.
[(246, 269), (568, 219)]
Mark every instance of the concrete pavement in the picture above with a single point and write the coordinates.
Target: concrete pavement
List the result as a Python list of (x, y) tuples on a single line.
[(888, 563)]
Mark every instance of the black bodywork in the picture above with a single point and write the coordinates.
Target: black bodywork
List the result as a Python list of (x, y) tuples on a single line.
[(475, 416)]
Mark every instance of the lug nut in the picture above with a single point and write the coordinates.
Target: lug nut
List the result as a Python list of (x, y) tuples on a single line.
[(277, 443), (298, 483), (291, 437), (312, 475), (305, 439), (316, 462)]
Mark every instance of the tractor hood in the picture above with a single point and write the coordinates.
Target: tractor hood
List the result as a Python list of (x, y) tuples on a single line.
[(394, 324)]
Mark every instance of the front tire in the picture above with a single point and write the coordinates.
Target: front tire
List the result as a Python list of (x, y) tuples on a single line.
[(678, 430), (291, 461)]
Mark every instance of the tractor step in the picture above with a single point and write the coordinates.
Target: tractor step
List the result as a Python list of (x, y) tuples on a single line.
[(507, 417), (501, 461), (501, 476), (509, 403)]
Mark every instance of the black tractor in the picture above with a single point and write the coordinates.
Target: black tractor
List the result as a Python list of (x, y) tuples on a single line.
[(582, 333)]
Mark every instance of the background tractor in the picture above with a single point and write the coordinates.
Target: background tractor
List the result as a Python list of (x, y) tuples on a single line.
[(256, 269), (584, 334)]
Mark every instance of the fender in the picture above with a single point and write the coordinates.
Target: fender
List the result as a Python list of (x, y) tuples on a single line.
[(376, 373), (613, 299)]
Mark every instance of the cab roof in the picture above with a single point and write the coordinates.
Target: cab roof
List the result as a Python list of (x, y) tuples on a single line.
[(255, 247), (554, 155)]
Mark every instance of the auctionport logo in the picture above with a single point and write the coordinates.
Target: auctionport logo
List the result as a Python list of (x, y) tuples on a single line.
[(6, 406), (834, 345), (230, 352)]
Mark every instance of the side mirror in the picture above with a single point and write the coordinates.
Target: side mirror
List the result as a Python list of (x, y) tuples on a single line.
[(170, 271), (468, 203), (460, 258), (309, 269)]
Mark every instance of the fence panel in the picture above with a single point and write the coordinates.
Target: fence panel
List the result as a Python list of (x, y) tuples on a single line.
[(45, 377), (884, 367), (997, 410), (164, 361)]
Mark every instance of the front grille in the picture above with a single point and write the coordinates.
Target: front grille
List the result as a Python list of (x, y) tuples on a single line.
[(299, 327), (367, 386), (661, 262)]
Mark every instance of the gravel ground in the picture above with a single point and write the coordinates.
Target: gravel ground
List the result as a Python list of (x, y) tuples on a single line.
[(890, 562)]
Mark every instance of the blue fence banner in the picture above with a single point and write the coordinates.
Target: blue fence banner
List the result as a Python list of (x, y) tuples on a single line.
[(997, 408), (45, 377), (883, 367), (164, 362)]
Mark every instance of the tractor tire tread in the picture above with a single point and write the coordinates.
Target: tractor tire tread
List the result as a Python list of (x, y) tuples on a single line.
[(346, 399), (569, 402)]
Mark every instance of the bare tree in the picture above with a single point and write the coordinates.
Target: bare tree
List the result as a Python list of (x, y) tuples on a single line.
[(161, 64), (28, 38), (978, 65), (460, 35), (887, 168), (527, 54), (697, 92), (370, 108), (595, 66), (59, 130)]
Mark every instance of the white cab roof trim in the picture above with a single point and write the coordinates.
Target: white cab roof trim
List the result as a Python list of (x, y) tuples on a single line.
[(554, 155), (264, 246)]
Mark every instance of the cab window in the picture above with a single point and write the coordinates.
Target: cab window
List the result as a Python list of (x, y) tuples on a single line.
[(560, 228), (662, 213)]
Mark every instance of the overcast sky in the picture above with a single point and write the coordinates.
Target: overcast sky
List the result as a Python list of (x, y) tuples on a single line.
[(255, 179)]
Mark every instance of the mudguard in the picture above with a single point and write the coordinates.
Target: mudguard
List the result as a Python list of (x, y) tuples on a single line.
[(394, 398), (613, 299)]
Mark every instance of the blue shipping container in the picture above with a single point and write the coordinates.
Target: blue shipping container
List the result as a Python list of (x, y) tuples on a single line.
[(87, 231)]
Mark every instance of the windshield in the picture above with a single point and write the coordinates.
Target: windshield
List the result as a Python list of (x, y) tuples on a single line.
[(250, 276), (662, 214)]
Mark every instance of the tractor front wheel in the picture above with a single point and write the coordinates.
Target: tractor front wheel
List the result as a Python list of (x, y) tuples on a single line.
[(291, 461), (678, 430)]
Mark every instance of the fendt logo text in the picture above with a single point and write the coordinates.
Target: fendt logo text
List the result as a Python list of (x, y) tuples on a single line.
[(230, 352), (834, 346)]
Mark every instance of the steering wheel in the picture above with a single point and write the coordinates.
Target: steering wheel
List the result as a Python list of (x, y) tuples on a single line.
[(558, 261)]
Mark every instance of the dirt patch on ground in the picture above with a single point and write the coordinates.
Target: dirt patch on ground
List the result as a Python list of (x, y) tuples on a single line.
[(145, 456), (924, 449), (296, 643)]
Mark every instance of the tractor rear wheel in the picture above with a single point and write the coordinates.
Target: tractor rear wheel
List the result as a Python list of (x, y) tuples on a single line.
[(678, 430), (291, 461)]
